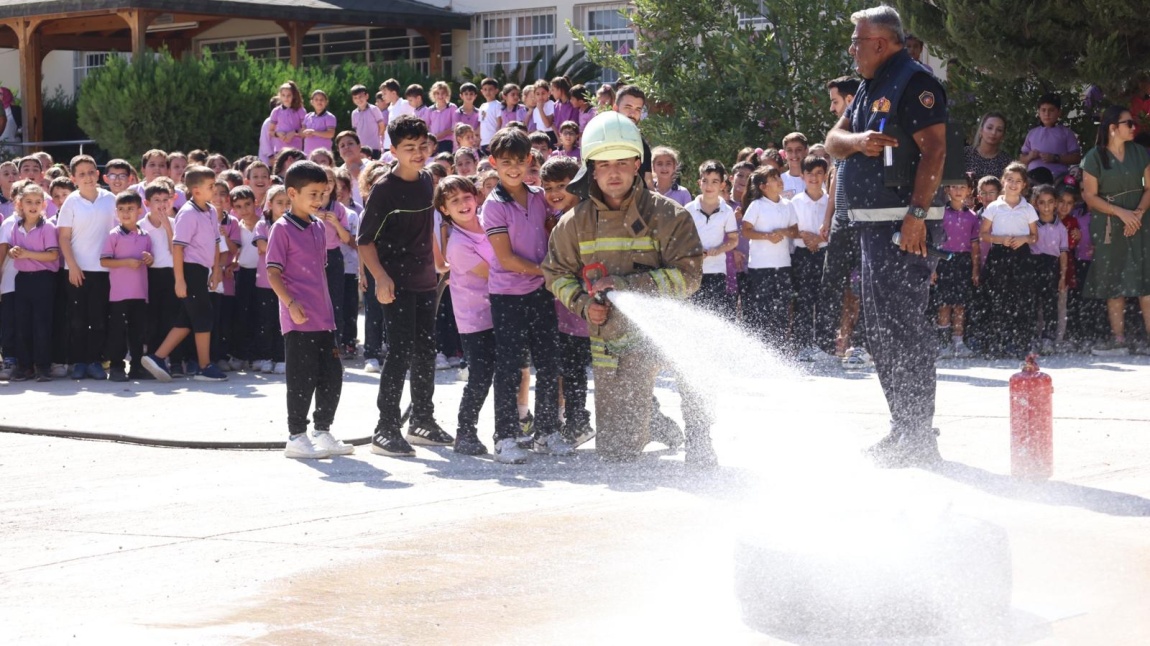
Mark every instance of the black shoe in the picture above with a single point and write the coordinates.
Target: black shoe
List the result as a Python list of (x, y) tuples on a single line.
[(392, 444), (701, 455), (21, 374), (43, 375), (428, 434), (467, 443), (664, 430), (578, 433), (526, 438), (140, 375), (118, 376), (905, 450)]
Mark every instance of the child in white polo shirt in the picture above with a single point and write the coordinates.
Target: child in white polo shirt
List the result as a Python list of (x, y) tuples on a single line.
[(769, 222), (808, 257), (719, 232), (1010, 225), (296, 256)]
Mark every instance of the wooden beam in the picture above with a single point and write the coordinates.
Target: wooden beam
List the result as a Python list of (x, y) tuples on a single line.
[(83, 25), (295, 31), (435, 44), (138, 22), (31, 77)]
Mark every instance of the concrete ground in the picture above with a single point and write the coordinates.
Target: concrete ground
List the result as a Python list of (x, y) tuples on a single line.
[(104, 541)]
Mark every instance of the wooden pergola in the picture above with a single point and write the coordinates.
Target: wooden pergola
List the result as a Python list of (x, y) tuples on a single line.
[(36, 27)]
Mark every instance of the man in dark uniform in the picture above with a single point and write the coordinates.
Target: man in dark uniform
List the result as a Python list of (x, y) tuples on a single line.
[(896, 91)]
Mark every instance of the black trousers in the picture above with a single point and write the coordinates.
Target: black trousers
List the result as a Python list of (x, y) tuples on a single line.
[(840, 258), (411, 335), (245, 316), (895, 291), (349, 331), (61, 326), (1046, 276), (1010, 313), (525, 324), (313, 369), (88, 313), (479, 349), (127, 328), (807, 272), (333, 271), (34, 299), (225, 309), (8, 325), (770, 305), (270, 342), (575, 356), (373, 328), (163, 309), (1086, 317), (713, 297), (446, 330)]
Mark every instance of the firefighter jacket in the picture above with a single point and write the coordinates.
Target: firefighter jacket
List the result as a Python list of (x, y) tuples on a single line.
[(650, 246)]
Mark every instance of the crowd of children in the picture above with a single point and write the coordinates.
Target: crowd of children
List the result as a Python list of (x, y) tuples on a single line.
[(196, 266)]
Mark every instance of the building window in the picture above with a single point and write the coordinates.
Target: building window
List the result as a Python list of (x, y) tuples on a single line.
[(513, 38), (334, 46), (609, 24), (756, 19), (85, 62)]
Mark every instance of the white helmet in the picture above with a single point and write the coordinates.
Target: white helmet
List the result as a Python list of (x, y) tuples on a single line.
[(611, 135)]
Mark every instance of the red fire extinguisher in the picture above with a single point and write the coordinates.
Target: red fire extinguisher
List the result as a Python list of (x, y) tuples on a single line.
[(1031, 422)]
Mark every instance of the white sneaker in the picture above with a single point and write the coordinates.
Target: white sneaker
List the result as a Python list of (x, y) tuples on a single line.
[(59, 370), (325, 441), (805, 355), (237, 365), (553, 444), (454, 361), (857, 359), (441, 362), (464, 374), (224, 365), (818, 356), (280, 368), (371, 366), (265, 365), (301, 447), (508, 451), (961, 351)]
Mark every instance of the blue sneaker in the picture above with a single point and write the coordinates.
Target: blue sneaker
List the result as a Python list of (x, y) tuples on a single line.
[(210, 373), (79, 371), (96, 371), (157, 367)]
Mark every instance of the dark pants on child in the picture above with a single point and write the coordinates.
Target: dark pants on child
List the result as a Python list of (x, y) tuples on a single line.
[(127, 327), (34, 299), (334, 274), (313, 369), (1046, 277), (1086, 317), (224, 307), (410, 332), (446, 330), (807, 272), (245, 316), (61, 326), (575, 353), (270, 342), (841, 257), (349, 331), (895, 292), (770, 305), (1010, 307), (88, 311), (479, 350), (713, 297), (373, 328), (526, 323), (8, 325), (163, 309)]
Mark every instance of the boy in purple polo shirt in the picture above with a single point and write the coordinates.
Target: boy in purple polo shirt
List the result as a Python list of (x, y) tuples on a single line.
[(127, 255), (523, 311), (296, 256), (196, 264), (366, 119), (468, 113), (319, 126), (1050, 145), (32, 243)]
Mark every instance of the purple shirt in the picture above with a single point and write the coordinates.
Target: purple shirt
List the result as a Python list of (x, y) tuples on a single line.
[(679, 194), (564, 112), (585, 117), (42, 237), (6, 207), (527, 230), (198, 232), (570, 323), (1053, 239), (424, 114), (330, 234), (471, 119), (440, 120), (1085, 249), (229, 230), (1057, 139), (296, 248), (962, 228), (267, 142), (321, 122), (127, 283), (261, 235), (574, 153), (366, 124), (469, 297), (287, 120), (519, 113)]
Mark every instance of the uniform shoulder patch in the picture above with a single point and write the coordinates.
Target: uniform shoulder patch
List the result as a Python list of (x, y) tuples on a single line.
[(926, 99)]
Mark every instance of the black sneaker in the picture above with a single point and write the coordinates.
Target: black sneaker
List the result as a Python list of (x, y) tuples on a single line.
[(665, 431), (467, 443), (392, 444), (701, 455), (526, 438), (21, 374), (578, 433), (43, 375), (905, 450), (428, 434), (118, 376)]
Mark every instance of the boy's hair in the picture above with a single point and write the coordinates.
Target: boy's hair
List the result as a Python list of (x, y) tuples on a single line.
[(468, 87), (379, 96), (232, 177), (253, 166), (155, 152), (55, 171), (1039, 175), (713, 166), (540, 138), (198, 156), (630, 90), (196, 175), (445, 156), (9, 163), (157, 187), (796, 136), (439, 86), (466, 152), (990, 180), (845, 85), (347, 133), (559, 169), (242, 163), (20, 162), (76, 161), (488, 81), (406, 127), (304, 173), (432, 139), (415, 89), (358, 88), (129, 197), (1050, 98), (447, 187), (517, 125), (390, 84), (811, 162), (61, 182), (537, 157), (569, 127), (117, 164), (437, 171), (510, 142)]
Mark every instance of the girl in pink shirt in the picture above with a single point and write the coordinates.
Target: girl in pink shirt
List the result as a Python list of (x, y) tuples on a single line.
[(441, 118), (285, 124), (270, 339)]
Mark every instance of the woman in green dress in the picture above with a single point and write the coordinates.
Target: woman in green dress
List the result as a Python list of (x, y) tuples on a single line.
[(1116, 187)]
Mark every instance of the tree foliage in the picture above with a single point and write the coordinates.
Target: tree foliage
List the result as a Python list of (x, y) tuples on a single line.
[(158, 101), (575, 67), (733, 73)]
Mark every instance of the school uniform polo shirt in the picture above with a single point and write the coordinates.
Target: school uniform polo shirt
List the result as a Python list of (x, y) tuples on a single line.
[(527, 230), (127, 283), (331, 236), (810, 214), (9, 271), (713, 229), (564, 112), (470, 118), (319, 122), (1010, 220), (366, 125), (440, 120), (1057, 139), (469, 298), (90, 222), (260, 234), (518, 113), (1053, 239), (41, 237), (765, 216), (296, 246), (198, 232), (288, 120), (961, 229)]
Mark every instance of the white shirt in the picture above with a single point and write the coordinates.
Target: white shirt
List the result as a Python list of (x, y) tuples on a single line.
[(90, 223), (810, 214), (713, 232), (1010, 221), (8, 280), (793, 185), (395, 111), (161, 245), (489, 114), (548, 110), (765, 216), (351, 254), (249, 256)]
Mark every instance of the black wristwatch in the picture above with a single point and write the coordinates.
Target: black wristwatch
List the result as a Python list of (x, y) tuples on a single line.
[(918, 212)]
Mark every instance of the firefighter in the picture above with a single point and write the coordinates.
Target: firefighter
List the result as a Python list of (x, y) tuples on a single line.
[(648, 244)]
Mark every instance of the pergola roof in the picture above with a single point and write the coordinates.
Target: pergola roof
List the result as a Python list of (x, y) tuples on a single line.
[(406, 13)]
